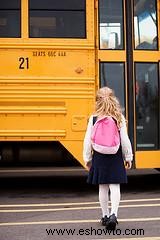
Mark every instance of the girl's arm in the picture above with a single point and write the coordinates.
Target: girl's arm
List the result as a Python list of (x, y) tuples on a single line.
[(87, 147), (126, 144)]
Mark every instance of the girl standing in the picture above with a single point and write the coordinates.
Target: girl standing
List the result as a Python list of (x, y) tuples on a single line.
[(108, 170)]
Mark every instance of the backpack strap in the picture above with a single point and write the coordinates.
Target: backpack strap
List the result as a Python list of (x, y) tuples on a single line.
[(94, 119)]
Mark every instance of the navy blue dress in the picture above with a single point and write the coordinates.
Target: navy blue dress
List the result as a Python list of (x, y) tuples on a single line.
[(107, 168)]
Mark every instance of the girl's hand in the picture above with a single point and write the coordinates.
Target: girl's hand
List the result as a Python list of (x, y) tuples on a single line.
[(128, 164), (88, 165)]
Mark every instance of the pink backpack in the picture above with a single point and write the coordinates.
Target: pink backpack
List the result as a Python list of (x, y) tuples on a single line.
[(105, 136)]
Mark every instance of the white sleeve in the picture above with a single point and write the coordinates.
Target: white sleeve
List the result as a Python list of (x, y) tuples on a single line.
[(87, 147), (125, 142)]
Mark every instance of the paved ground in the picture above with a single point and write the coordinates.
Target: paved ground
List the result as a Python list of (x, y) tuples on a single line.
[(64, 206)]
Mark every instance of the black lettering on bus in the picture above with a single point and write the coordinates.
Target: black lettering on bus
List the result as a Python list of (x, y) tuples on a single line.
[(24, 63), (52, 53)]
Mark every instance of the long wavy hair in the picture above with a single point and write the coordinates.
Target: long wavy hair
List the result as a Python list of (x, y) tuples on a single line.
[(107, 104)]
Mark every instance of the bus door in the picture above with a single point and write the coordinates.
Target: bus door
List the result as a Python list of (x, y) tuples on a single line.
[(146, 77), (128, 62)]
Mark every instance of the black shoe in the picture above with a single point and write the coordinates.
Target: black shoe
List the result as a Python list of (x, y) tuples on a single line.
[(104, 221), (112, 222)]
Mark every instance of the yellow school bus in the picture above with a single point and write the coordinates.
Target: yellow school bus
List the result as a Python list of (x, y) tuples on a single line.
[(55, 54)]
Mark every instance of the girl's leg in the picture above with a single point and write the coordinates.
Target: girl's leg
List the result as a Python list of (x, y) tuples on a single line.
[(115, 198), (103, 199)]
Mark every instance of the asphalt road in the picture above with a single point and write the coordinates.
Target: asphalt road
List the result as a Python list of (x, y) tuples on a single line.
[(60, 205)]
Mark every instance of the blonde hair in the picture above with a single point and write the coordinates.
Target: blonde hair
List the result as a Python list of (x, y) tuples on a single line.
[(108, 104)]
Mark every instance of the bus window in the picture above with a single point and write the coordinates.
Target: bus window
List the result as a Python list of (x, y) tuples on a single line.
[(10, 19), (145, 17), (111, 24), (57, 19), (147, 105), (112, 75)]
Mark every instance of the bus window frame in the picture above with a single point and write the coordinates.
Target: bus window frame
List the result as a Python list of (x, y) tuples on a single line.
[(20, 21), (88, 42), (125, 83), (157, 30), (85, 25), (123, 22), (158, 122)]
